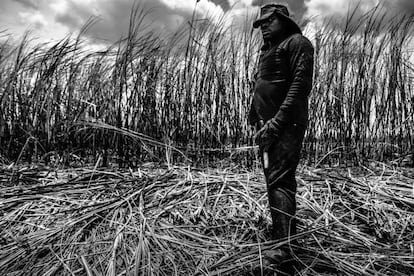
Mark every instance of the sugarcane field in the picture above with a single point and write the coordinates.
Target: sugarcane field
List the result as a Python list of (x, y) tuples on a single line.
[(207, 137)]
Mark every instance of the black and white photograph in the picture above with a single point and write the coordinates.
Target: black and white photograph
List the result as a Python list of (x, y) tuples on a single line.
[(207, 137)]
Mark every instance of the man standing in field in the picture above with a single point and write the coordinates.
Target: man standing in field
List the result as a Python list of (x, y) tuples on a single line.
[(279, 112)]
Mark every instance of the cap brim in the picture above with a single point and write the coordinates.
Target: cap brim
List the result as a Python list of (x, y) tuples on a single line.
[(259, 21), (293, 24)]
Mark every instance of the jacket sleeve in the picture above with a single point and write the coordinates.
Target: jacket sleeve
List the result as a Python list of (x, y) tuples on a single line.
[(300, 57)]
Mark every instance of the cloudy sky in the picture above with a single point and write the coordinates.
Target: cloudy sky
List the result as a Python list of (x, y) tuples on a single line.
[(53, 19)]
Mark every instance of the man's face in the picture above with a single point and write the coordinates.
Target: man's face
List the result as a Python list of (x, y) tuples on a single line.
[(271, 28)]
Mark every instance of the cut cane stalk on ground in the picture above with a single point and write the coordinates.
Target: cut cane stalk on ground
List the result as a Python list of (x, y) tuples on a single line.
[(181, 221)]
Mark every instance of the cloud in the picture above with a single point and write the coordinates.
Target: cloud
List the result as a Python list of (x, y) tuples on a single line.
[(224, 4), (340, 9), (400, 7), (320, 10), (162, 16), (32, 4), (237, 4), (34, 20), (168, 16)]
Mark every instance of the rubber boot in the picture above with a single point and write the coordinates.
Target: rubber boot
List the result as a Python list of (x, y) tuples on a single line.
[(282, 208)]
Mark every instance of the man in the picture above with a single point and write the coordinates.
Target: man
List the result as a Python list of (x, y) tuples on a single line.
[(279, 112)]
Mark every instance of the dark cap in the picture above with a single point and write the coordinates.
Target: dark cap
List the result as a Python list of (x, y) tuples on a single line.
[(268, 10)]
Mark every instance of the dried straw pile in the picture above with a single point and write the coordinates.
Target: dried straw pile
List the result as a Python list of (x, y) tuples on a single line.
[(181, 221)]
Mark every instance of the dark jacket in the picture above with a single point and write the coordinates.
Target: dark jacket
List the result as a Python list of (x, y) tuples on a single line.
[(284, 81)]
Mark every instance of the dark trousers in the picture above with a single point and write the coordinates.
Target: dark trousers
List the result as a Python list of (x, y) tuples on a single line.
[(283, 158)]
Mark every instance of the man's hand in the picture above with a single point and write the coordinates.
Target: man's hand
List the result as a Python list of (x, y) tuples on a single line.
[(268, 133)]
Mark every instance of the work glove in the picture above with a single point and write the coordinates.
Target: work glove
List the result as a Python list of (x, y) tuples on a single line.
[(268, 133)]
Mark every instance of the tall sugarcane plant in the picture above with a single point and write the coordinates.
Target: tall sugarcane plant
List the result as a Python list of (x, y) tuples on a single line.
[(191, 91)]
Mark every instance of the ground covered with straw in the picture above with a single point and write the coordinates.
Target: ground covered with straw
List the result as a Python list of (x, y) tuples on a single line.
[(160, 220)]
